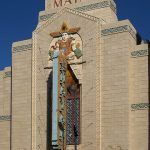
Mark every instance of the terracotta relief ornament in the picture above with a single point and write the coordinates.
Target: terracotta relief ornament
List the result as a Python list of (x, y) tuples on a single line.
[(66, 44)]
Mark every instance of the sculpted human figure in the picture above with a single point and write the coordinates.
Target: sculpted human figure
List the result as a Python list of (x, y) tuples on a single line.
[(54, 51), (66, 44)]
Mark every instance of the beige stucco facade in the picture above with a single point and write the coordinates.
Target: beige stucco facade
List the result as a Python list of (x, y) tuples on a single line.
[(21, 95), (113, 73), (5, 107)]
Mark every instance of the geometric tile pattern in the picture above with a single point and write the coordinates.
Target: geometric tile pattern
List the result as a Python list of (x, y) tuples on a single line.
[(119, 29), (140, 53), (140, 106), (73, 121), (5, 118)]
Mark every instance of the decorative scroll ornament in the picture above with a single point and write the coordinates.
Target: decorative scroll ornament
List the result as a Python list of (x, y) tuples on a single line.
[(5, 118), (119, 29), (140, 53), (66, 42), (140, 106), (22, 48)]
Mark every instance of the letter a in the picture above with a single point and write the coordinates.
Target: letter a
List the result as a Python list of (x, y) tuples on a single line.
[(67, 1)]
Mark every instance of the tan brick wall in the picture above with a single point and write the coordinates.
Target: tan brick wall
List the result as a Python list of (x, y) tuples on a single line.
[(21, 95), (139, 97), (7, 90), (5, 135), (115, 86), (1, 92), (5, 101)]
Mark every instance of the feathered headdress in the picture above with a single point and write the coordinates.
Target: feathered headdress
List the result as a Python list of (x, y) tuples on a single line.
[(64, 29)]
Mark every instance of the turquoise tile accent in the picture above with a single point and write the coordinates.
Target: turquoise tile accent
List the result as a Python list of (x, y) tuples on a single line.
[(119, 29), (140, 106), (140, 53), (5, 118), (22, 48)]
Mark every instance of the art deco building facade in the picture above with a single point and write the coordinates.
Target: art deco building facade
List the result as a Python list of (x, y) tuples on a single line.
[(81, 82)]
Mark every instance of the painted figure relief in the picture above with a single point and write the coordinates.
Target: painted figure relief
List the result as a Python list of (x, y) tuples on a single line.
[(67, 42), (65, 48)]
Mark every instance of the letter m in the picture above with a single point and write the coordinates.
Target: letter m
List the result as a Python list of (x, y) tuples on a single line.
[(57, 3)]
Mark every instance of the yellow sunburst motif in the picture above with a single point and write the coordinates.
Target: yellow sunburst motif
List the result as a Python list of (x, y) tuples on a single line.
[(64, 27)]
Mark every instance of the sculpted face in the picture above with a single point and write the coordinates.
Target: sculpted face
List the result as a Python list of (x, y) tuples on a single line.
[(65, 36)]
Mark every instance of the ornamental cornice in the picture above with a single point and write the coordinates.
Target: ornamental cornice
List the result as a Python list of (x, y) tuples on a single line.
[(81, 9), (140, 53), (73, 11), (119, 29), (97, 5), (85, 8), (88, 7), (22, 48)]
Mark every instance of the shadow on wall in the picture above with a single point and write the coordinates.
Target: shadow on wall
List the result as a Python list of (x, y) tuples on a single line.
[(49, 111)]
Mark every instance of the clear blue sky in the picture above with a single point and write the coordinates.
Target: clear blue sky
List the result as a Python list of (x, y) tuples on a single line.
[(18, 18)]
